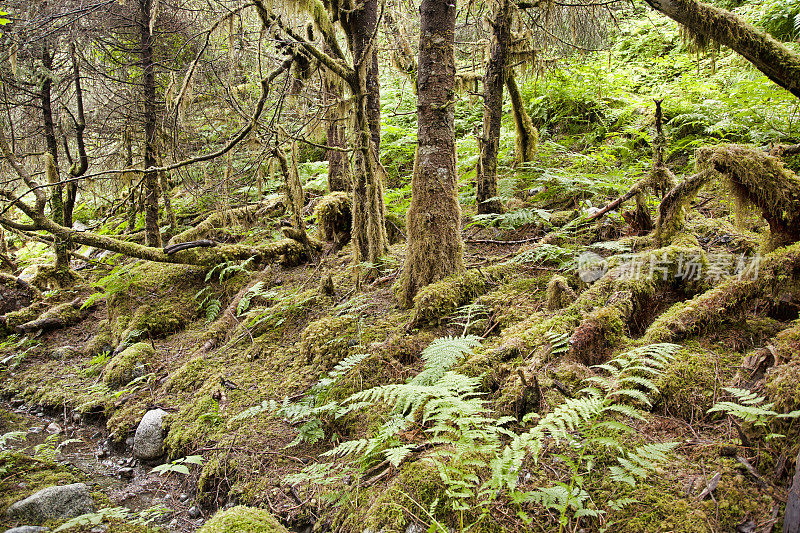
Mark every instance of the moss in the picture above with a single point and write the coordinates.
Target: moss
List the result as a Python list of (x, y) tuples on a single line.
[(599, 331), (720, 232), (23, 475), (689, 383), (326, 341), (334, 217), (128, 365), (241, 519), (154, 300), (759, 179), (559, 293), (390, 508), (439, 300), (561, 218), (102, 342)]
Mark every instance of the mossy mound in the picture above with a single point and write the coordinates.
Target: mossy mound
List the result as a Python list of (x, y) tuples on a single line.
[(132, 363), (241, 519), (326, 341), (689, 382), (390, 508), (24, 475), (334, 217), (719, 232), (102, 342), (153, 300), (439, 300)]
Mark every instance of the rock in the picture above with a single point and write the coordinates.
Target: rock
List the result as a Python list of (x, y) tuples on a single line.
[(128, 365), (194, 512), (148, 442), (183, 497), (27, 529), (126, 473), (53, 503), (413, 527), (65, 352), (53, 428), (76, 418)]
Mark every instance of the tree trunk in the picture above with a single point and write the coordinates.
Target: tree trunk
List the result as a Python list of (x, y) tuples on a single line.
[(338, 164), (153, 233), (369, 212), (60, 246), (493, 83), (777, 62), (434, 248), (527, 134)]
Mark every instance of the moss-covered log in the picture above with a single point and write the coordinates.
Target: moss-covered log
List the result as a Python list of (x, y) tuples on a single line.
[(334, 218), (780, 64), (776, 280), (220, 219), (762, 180)]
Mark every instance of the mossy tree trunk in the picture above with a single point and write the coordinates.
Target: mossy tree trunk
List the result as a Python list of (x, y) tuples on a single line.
[(527, 134), (776, 61), (434, 248), (493, 82), (152, 231), (338, 164), (369, 212)]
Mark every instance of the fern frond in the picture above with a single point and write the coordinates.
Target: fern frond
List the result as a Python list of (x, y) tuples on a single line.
[(441, 355)]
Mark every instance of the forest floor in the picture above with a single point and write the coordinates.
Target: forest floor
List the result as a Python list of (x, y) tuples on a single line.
[(257, 365)]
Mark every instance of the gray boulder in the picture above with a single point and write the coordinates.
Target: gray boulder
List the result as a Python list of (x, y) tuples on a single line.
[(148, 442), (27, 529), (53, 503)]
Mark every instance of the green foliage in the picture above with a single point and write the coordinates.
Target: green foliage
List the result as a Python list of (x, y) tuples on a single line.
[(751, 409), (511, 219), (468, 440), (258, 289), (313, 407), (559, 343), (11, 436), (179, 466), (115, 282), (144, 517), (209, 303)]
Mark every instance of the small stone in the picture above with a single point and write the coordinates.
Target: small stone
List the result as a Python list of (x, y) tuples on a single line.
[(413, 527), (173, 524), (194, 512), (148, 442), (53, 428), (102, 452), (130, 441), (183, 497), (76, 418), (35, 431), (126, 472)]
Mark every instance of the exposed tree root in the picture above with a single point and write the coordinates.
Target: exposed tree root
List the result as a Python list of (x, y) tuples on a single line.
[(60, 316), (334, 218), (776, 287), (559, 293)]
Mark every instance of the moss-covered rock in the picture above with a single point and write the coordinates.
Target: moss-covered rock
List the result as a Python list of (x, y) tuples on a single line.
[(128, 365), (326, 341), (334, 217), (241, 519), (687, 386), (153, 300)]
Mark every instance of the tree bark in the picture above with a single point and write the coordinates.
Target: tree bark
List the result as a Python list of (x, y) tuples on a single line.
[(527, 134), (369, 212), (777, 62), (152, 231), (434, 248), (338, 164), (60, 247), (493, 83)]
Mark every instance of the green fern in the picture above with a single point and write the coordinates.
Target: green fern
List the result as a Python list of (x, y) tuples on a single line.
[(751, 409), (543, 254), (559, 343), (257, 290)]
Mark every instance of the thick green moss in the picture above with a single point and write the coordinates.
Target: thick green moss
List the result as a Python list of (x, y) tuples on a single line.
[(688, 384), (241, 519), (438, 300), (23, 475), (326, 341), (152, 300), (128, 365)]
